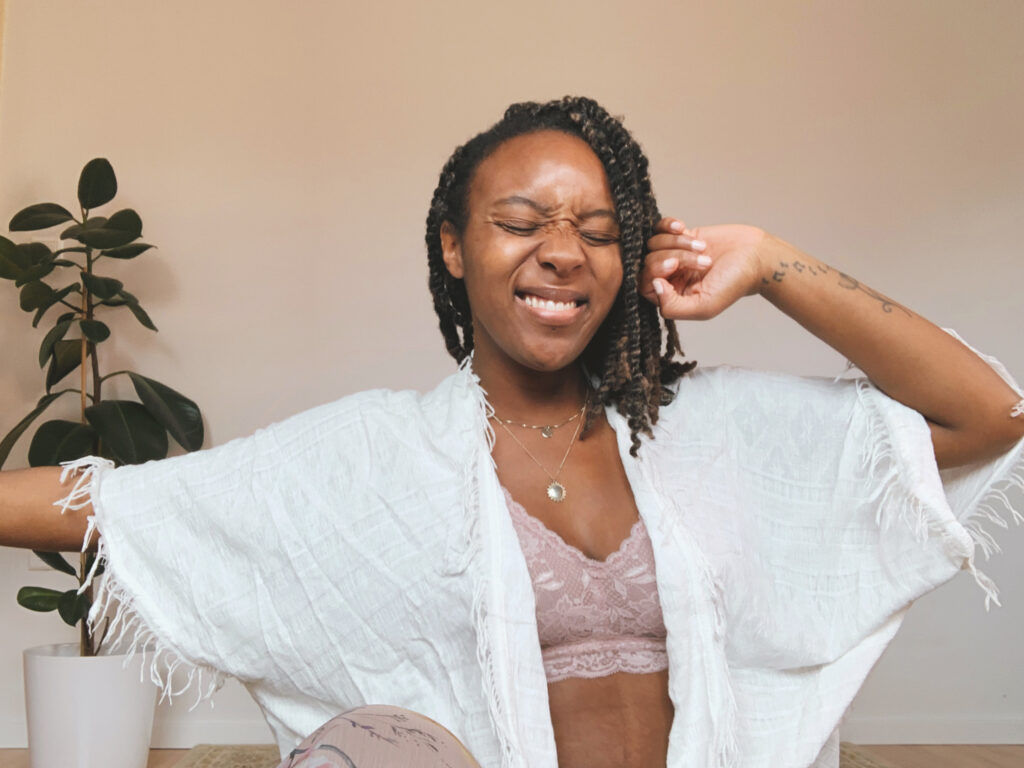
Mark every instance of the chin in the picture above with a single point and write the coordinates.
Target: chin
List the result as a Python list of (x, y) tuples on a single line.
[(551, 361)]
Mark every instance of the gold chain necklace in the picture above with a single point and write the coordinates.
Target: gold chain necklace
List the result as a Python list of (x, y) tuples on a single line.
[(546, 430), (555, 490)]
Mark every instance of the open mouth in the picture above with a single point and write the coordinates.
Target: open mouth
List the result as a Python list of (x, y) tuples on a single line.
[(537, 302), (557, 308)]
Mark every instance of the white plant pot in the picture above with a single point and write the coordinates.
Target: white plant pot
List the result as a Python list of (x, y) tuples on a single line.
[(88, 712)]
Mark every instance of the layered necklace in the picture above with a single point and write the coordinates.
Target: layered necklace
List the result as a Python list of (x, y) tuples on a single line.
[(556, 490)]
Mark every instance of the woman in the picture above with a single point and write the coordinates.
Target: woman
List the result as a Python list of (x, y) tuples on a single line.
[(710, 561)]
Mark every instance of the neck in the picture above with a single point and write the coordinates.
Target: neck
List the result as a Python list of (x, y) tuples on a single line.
[(521, 393)]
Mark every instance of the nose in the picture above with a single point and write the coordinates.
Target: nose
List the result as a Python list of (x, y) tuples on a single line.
[(561, 249)]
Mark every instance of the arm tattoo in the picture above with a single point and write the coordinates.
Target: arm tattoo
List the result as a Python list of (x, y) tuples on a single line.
[(845, 281)]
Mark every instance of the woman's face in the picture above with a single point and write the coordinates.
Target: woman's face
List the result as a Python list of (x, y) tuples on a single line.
[(540, 251)]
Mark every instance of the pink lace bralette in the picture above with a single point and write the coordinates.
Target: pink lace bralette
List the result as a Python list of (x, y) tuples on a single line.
[(594, 617)]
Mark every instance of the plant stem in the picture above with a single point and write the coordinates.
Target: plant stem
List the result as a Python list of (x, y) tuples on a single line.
[(85, 642)]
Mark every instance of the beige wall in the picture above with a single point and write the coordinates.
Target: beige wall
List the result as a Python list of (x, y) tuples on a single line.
[(283, 154)]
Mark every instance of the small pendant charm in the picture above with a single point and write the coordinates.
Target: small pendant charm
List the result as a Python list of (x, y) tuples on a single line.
[(547, 431), (556, 491)]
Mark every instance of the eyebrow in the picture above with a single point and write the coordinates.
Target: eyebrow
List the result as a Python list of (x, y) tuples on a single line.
[(520, 200)]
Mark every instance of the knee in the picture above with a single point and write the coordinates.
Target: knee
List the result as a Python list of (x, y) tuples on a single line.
[(382, 735)]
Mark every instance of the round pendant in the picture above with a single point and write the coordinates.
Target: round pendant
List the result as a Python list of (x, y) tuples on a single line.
[(556, 491), (547, 431)]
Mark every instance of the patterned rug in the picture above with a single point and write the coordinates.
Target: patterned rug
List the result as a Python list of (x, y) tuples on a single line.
[(265, 756)]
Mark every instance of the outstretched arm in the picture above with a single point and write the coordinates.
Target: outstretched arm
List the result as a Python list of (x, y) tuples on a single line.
[(967, 405), (28, 517)]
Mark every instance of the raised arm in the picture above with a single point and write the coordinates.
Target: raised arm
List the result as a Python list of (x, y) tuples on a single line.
[(28, 516), (967, 405)]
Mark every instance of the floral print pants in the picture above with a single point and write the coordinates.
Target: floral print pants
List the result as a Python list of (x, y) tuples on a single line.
[(379, 736)]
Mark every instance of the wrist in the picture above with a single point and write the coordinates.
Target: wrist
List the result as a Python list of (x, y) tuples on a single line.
[(774, 254)]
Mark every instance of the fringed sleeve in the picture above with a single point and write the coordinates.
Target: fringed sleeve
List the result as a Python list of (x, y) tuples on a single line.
[(278, 558), (823, 516)]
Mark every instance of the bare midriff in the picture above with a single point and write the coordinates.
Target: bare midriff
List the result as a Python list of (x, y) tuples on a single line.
[(618, 721)]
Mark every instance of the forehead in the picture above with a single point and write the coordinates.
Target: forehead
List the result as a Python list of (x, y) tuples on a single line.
[(553, 168)]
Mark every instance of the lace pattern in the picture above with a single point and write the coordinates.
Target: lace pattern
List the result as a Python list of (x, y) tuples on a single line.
[(594, 617)]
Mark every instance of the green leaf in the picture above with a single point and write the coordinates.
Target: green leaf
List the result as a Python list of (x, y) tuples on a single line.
[(58, 440), (12, 437), (102, 287), (36, 253), (94, 330), (119, 230), (13, 262), (178, 415), (136, 309), (35, 295), (128, 432), (67, 356), (41, 216), (54, 335), (39, 598), (57, 296), (56, 560), (126, 220), (97, 184), (104, 238), (33, 274), (73, 607), (127, 251)]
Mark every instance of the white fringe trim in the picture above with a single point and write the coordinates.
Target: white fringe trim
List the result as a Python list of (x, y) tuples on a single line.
[(897, 507), (466, 553), (995, 501), (125, 627)]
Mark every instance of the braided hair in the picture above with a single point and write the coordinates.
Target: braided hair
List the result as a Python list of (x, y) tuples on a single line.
[(626, 352)]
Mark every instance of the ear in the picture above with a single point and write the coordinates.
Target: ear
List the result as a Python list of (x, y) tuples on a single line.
[(451, 249)]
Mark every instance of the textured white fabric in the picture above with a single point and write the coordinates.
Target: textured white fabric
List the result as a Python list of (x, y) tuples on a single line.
[(361, 552)]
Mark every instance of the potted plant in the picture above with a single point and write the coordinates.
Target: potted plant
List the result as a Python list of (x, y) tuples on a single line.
[(125, 431)]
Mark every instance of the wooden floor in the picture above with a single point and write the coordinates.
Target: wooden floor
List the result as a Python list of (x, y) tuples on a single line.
[(949, 755), (901, 756)]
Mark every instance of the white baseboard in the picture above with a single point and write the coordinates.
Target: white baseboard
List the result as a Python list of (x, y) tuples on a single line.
[(171, 734), (919, 730)]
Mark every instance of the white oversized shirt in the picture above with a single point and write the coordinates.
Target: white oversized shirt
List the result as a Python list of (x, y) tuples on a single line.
[(362, 552)]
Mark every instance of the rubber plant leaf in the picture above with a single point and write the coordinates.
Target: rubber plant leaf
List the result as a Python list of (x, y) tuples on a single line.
[(57, 296), (56, 560), (97, 184), (129, 433), (35, 295), (127, 251), (40, 216), (54, 335), (73, 607), (132, 303), (175, 412), (94, 330), (13, 262), (39, 598), (120, 229), (102, 287), (12, 437), (59, 441), (66, 357)]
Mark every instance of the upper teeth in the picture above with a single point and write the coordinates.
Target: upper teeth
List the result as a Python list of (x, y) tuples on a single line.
[(558, 306)]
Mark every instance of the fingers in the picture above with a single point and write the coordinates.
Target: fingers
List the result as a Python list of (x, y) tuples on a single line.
[(676, 305), (671, 233)]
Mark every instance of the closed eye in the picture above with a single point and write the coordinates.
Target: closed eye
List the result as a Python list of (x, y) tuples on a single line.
[(598, 238), (521, 228)]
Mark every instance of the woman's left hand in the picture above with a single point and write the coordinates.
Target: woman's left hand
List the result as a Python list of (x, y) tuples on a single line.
[(694, 274)]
